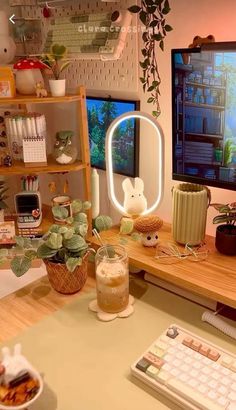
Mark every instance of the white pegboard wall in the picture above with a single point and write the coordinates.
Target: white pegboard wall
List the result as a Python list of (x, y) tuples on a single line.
[(120, 75)]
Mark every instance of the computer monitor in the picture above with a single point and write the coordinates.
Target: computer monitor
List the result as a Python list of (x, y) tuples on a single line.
[(204, 114)]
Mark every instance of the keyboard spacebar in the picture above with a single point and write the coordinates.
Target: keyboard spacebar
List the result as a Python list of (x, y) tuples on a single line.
[(192, 396)]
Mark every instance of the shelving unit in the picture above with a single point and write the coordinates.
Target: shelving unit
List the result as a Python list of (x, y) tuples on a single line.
[(200, 120), (52, 166)]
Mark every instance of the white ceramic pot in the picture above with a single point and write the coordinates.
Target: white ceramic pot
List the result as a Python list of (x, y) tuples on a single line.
[(57, 87), (26, 81)]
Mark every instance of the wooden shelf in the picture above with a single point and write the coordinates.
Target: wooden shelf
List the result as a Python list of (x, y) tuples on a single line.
[(51, 168), (201, 85), (214, 278), (196, 134), (27, 99), (211, 106)]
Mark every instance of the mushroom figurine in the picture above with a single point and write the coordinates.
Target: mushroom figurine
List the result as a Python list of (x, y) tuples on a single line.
[(148, 226), (28, 74)]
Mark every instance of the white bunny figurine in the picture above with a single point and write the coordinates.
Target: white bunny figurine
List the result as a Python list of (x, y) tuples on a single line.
[(7, 45), (135, 202)]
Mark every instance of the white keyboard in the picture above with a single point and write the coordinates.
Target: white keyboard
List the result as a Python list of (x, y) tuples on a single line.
[(189, 370)]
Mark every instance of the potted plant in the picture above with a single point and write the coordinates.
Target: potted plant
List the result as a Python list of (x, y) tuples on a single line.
[(152, 13), (57, 63), (63, 249), (3, 196), (226, 232)]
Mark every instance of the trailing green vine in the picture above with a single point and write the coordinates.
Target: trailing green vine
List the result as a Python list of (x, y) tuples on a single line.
[(152, 13)]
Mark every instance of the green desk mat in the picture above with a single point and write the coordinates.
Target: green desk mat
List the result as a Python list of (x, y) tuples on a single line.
[(85, 362)]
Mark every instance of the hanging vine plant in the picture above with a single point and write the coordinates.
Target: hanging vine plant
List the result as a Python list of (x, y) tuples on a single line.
[(152, 13)]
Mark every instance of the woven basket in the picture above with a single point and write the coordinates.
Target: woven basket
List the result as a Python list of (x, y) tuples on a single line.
[(64, 281)]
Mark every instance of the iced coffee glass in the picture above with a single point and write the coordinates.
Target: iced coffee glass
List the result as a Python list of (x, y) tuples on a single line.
[(112, 278)]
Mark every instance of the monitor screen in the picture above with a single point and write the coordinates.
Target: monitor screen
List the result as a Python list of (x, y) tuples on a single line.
[(27, 203), (101, 113), (204, 115)]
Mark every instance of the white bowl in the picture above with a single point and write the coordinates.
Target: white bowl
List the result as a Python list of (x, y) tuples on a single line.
[(37, 376)]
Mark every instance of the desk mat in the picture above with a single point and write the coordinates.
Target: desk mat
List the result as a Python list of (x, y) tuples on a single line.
[(86, 362)]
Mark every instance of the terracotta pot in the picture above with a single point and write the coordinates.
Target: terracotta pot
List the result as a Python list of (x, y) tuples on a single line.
[(226, 239), (64, 281)]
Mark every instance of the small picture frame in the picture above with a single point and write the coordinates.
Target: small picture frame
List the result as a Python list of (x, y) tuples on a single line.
[(7, 233)]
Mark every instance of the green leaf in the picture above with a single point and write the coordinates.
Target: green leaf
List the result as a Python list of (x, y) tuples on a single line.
[(81, 217), (142, 79), (165, 10), (76, 206), (69, 233), (64, 66), (54, 241), (86, 205), (155, 83), (135, 236), (150, 100), (155, 113), (19, 241), (161, 44), (143, 17), (44, 252), (144, 52), (72, 263), (151, 88), (134, 9), (55, 228), (74, 243), (126, 226), (60, 212), (81, 229), (157, 37), (168, 27), (62, 230), (20, 265), (3, 253), (154, 23), (31, 254)]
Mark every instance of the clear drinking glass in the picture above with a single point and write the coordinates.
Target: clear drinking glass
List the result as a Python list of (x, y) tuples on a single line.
[(112, 278)]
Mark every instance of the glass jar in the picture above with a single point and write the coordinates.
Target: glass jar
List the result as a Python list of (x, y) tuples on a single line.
[(112, 278)]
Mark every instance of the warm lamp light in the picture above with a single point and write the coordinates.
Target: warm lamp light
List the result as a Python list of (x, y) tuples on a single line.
[(109, 159)]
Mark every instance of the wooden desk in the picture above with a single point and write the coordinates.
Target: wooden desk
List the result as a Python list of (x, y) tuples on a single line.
[(214, 278), (86, 362)]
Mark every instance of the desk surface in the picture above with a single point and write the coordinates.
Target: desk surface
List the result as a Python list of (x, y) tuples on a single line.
[(214, 278), (86, 362)]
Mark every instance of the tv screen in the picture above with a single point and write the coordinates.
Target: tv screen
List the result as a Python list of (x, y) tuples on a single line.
[(101, 113), (204, 115)]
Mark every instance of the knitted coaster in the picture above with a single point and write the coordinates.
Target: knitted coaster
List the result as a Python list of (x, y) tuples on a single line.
[(107, 317)]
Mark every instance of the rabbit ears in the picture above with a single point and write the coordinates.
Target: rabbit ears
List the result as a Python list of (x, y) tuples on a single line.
[(128, 186)]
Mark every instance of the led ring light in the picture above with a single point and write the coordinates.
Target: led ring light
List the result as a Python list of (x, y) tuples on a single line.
[(109, 160)]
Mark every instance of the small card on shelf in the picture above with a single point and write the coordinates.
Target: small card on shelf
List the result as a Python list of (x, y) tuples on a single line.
[(34, 151)]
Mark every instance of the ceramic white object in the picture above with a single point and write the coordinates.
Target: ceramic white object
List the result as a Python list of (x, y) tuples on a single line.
[(58, 87), (7, 45), (15, 363), (26, 81)]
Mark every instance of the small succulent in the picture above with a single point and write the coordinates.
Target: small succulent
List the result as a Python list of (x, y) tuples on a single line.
[(56, 60), (64, 244), (3, 196), (227, 214)]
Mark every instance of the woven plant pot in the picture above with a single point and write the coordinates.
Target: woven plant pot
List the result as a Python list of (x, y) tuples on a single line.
[(64, 281)]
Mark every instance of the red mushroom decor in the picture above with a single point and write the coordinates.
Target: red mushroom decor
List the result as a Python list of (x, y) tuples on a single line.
[(28, 74)]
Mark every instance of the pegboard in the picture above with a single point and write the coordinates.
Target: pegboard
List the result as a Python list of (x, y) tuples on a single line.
[(120, 75)]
